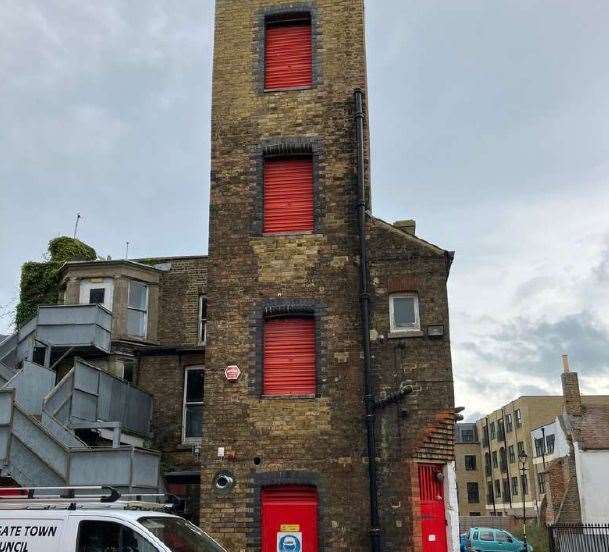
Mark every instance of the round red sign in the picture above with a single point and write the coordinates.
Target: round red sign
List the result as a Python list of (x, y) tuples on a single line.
[(232, 373)]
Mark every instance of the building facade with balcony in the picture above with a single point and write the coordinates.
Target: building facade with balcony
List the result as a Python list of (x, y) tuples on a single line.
[(110, 380)]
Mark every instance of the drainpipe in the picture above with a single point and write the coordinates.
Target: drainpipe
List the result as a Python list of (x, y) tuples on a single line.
[(375, 529)]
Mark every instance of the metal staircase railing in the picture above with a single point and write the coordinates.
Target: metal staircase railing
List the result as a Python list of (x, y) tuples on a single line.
[(39, 447)]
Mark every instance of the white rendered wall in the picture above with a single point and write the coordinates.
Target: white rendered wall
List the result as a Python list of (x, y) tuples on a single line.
[(593, 482), (452, 507)]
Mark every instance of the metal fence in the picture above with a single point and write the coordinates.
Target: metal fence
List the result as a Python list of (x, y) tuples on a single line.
[(579, 537)]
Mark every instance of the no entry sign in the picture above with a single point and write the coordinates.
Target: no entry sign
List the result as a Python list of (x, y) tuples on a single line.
[(232, 373)]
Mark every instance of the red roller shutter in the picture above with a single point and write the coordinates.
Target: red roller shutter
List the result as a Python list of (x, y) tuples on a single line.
[(289, 511), (288, 195), (288, 55), (289, 357)]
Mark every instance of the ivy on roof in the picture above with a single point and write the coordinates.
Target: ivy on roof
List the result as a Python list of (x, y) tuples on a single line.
[(40, 280)]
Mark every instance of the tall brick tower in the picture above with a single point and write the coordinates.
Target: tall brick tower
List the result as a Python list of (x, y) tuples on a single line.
[(284, 453)]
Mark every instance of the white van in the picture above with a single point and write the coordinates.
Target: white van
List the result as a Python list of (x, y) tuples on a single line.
[(47, 525)]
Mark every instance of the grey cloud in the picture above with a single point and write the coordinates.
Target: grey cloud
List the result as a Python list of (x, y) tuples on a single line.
[(531, 347), (533, 287)]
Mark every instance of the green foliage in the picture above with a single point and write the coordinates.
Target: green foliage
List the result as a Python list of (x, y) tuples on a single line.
[(537, 537), (64, 249), (40, 280)]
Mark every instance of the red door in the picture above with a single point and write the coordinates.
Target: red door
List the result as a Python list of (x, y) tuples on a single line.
[(289, 519), (433, 509)]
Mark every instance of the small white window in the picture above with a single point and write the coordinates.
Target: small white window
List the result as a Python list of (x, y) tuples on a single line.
[(192, 414), (97, 291), (202, 319), (137, 309), (404, 312)]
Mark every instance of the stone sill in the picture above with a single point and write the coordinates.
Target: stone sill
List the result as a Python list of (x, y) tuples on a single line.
[(289, 89), (406, 334)]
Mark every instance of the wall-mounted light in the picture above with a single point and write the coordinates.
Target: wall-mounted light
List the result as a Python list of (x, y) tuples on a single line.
[(435, 330)]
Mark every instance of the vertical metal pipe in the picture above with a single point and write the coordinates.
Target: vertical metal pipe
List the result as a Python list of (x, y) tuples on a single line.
[(375, 529)]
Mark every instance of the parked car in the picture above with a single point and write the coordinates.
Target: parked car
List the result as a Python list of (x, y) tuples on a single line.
[(486, 539)]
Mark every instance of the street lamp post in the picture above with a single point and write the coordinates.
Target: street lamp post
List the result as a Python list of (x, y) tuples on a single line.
[(523, 458)]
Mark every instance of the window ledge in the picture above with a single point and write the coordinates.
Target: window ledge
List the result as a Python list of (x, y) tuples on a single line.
[(294, 233), (187, 445), (287, 397), (406, 333), (289, 89)]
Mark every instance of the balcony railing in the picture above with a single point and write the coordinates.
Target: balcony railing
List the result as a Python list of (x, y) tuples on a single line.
[(75, 326), (87, 395)]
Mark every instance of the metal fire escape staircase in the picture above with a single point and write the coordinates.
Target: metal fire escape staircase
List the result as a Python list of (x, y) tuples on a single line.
[(39, 419)]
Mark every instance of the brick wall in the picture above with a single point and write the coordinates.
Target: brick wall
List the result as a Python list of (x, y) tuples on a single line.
[(161, 372), (319, 440)]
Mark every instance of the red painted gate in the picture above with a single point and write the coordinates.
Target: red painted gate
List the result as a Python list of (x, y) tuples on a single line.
[(433, 508), (289, 519)]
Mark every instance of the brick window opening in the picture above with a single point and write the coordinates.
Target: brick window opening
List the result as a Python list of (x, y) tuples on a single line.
[(202, 320), (288, 53), (470, 462), (192, 406), (289, 367), (288, 195), (473, 494)]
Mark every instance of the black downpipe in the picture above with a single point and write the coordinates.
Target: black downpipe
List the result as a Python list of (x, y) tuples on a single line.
[(375, 530)]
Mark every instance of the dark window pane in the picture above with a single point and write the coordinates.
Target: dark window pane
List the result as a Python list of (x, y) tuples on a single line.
[(470, 462), (194, 421), (105, 536), (96, 296), (194, 386), (129, 370)]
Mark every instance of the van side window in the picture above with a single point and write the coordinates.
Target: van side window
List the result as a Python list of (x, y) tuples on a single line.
[(487, 536), (106, 536)]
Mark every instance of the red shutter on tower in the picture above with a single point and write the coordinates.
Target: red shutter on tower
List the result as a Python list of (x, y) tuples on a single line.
[(289, 508), (288, 55), (288, 195), (289, 357)]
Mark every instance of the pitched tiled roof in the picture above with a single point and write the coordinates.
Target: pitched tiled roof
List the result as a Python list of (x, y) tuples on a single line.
[(595, 428)]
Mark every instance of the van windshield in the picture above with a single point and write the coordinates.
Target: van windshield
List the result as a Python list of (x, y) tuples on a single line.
[(180, 535)]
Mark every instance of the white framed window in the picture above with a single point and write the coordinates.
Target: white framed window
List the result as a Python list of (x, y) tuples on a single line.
[(97, 291), (192, 411), (404, 312), (202, 319), (137, 309)]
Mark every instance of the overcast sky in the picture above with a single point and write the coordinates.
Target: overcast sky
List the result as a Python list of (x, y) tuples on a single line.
[(490, 127)]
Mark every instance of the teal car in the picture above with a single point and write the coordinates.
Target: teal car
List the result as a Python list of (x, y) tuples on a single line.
[(485, 539)]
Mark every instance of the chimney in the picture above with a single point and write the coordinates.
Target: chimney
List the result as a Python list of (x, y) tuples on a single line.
[(408, 226), (570, 389)]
